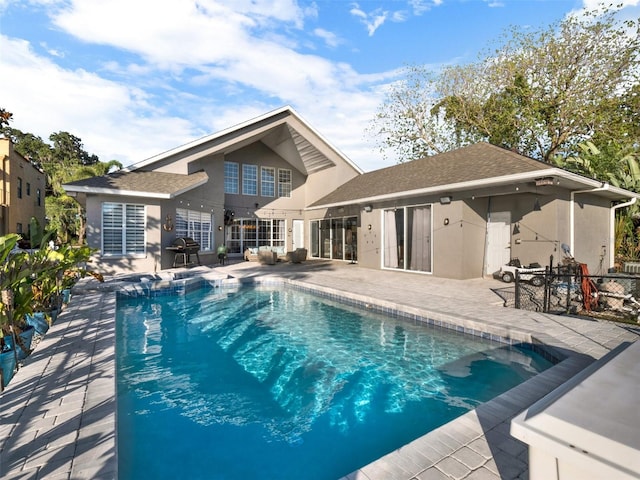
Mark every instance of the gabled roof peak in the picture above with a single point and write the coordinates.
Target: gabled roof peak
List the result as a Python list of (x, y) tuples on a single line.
[(300, 144)]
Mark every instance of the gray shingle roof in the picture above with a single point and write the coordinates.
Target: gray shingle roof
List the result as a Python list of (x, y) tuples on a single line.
[(159, 183), (468, 164)]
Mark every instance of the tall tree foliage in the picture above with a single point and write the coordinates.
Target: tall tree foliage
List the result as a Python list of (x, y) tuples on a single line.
[(64, 160), (539, 93)]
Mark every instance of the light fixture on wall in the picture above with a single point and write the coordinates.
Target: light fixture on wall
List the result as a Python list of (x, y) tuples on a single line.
[(446, 221), (446, 200), (516, 229), (219, 228), (368, 208), (369, 227)]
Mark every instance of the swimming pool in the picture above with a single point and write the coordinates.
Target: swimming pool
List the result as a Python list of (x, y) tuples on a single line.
[(277, 383)]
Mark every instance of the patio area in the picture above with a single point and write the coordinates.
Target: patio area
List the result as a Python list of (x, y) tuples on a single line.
[(58, 417)]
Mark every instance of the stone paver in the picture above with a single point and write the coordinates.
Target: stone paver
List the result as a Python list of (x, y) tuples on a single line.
[(57, 417)]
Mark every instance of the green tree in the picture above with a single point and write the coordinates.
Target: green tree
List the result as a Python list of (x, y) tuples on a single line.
[(406, 122), (539, 92), (5, 118), (64, 160), (621, 171)]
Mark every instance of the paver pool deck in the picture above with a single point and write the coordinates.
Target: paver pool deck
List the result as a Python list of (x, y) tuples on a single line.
[(58, 414)]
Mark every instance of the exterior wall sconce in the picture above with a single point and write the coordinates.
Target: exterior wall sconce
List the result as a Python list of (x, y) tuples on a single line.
[(446, 221), (369, 227), (368, 208), (445, 200), (219, 228)]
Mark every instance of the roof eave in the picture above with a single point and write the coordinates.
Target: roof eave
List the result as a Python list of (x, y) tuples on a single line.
[(132, 193), (484, 183), (244, 125)]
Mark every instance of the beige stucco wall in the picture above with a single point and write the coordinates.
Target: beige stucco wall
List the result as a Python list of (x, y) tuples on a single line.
[(459, 245), (539, 236), (592, 231), (16, 210), (150, 262), (543, 232)]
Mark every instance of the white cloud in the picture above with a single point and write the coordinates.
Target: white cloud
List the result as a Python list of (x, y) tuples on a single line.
[(330, 38), (372, 20), (174, 72), (113, 120)]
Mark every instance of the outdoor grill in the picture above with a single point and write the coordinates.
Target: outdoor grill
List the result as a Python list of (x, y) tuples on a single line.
[(184, 247)]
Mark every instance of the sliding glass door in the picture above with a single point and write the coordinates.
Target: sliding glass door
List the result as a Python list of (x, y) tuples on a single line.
[(335, 238), (407, 238)]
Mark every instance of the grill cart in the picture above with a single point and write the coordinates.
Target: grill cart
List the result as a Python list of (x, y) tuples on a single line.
[(184, 247)]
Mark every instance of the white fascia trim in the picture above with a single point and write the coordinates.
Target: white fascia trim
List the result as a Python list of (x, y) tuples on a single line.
[(322, 138), (132, 193), (240, 126), (112, 191), (202, 140), (488, 182), (449, 187)]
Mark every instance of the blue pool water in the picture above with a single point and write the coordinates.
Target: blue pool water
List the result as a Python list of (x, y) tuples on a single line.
[(280, 384)]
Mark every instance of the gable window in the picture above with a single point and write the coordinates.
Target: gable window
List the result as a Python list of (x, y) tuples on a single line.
[(284, 182), (28, 189), (231, 177), (407, 238), (249, 179), (268, 181), (123, 229), (19, 187), (196, 225)]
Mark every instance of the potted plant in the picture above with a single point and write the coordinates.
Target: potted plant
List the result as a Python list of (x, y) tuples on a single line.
[(14, 276)]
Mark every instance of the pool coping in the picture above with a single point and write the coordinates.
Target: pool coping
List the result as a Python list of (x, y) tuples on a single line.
[(70, 391)]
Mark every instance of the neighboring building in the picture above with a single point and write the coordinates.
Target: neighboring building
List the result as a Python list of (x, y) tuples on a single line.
[(21, 192), (246, 187), (465, 213), (274, 182)]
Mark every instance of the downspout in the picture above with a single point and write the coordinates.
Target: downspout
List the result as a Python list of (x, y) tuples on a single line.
[(612, 229), (572, 229)]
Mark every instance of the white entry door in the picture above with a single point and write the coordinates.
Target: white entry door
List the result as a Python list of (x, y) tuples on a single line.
[(498, 241), (298, 234)]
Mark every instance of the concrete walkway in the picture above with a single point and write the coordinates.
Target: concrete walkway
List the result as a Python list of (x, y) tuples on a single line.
[(58, 420)]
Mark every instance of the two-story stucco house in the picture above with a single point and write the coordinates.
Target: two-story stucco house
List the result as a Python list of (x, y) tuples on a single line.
[(245, 187), (275, 183), (22, 191)]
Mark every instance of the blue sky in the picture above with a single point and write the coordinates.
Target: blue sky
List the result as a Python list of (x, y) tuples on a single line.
[(134, 78)]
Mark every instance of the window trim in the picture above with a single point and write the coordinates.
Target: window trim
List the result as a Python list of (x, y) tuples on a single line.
[(192, 217), (270, 191), (231, 181), (249, 180), (123, 228), (282, 185)]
